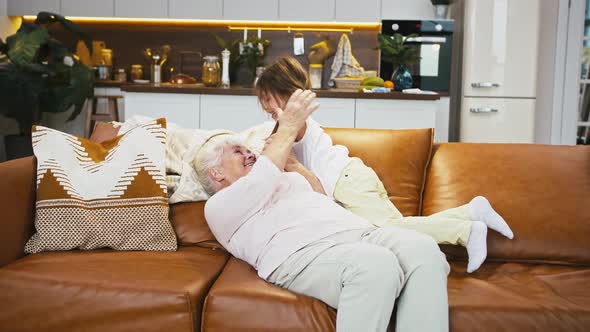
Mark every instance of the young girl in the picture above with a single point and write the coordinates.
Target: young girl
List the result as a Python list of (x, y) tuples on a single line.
[(356, 186)]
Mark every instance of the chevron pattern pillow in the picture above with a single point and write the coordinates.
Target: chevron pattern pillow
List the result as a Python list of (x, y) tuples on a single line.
[(96, 195)]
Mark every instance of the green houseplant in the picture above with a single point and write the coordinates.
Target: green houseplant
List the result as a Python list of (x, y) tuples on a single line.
[(252, 54), (395, 51), (39, 74)]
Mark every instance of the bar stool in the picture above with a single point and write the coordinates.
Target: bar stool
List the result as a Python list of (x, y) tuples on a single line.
[(92, 116)]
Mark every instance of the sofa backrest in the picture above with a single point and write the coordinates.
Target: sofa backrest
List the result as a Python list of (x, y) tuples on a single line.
[(17, 183), (399, 157), (542, 191)]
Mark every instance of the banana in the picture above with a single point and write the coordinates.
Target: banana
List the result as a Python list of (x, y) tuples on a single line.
[(373, 81)]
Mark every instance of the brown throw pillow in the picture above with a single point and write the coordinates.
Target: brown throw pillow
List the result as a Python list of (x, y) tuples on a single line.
[(94, 195)]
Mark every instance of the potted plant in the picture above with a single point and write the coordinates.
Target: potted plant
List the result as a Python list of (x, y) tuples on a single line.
[(39, 74), (395, 51), (253, 52), (441, 8)]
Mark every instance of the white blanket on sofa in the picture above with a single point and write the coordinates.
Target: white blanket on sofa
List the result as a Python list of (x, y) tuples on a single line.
[(182, 146)]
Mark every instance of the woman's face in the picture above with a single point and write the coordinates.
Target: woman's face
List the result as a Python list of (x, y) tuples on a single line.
[(271, 103)]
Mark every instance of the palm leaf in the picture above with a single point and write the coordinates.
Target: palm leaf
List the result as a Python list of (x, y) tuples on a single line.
[(23, 47)]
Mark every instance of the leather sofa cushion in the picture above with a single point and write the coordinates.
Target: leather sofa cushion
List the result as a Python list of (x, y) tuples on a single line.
[(105, 290), (399, 157), (188, 221), (498, 297), (519, 297), (542, 191), (241, 301)]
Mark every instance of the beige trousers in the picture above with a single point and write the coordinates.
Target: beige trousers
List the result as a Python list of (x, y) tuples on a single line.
[(362, 272), (360, 191)]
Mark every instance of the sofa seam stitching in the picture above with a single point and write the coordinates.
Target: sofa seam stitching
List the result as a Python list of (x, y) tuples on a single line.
[(73, 283), (190, 308), (425, 173), (208, 295)]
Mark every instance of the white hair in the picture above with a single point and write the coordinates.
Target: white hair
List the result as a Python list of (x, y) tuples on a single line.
[(210, 156)]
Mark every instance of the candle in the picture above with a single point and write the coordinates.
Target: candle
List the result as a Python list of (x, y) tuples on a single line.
[(259, 33), (245, 34)]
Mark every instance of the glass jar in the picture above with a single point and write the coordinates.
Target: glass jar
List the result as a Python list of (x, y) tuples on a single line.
[(315, 75), (121, 75), (136, 72), (211, 72)]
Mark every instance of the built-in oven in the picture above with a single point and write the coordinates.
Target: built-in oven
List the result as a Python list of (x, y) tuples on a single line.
[(434, 41)]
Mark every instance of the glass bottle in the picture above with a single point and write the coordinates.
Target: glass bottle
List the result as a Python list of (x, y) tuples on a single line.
[(225, 69), (211, 74)]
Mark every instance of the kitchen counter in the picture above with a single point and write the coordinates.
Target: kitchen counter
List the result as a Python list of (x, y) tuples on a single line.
[(108, 84), (248, 91)]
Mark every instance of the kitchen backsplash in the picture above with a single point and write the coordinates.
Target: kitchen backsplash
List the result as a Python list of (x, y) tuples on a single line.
[(129, 40)]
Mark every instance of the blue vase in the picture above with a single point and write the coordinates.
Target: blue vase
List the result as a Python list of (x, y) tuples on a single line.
[(402, 79)]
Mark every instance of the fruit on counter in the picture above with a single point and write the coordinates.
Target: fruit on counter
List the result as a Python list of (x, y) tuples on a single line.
[(372, 81), (388, 84)]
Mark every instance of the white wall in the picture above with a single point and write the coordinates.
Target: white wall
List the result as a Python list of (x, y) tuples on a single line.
[(560, 44)]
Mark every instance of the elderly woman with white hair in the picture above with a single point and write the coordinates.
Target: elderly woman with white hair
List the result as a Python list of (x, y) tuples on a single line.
[(271, 212)]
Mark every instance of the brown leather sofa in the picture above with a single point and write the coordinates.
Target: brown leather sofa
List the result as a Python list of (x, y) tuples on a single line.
[(540, 281)]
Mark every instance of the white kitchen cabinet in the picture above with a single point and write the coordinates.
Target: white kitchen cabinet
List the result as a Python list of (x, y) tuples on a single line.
[(88, 8), (307, 10), (335, 112), (497, 120), (501, 48), (406, 10), (352, 11), (181, 109), (32, 7), (234, 113), (395, 114), (251, 9), (141, 8), (196, 9)]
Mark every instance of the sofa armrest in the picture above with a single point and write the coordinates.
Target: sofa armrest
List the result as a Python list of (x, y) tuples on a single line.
[(17, 185)]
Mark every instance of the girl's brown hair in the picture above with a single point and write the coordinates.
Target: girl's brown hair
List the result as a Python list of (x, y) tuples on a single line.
[(281, 79)]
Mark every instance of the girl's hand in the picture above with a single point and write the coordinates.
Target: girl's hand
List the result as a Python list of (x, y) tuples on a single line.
[(292, 164)]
